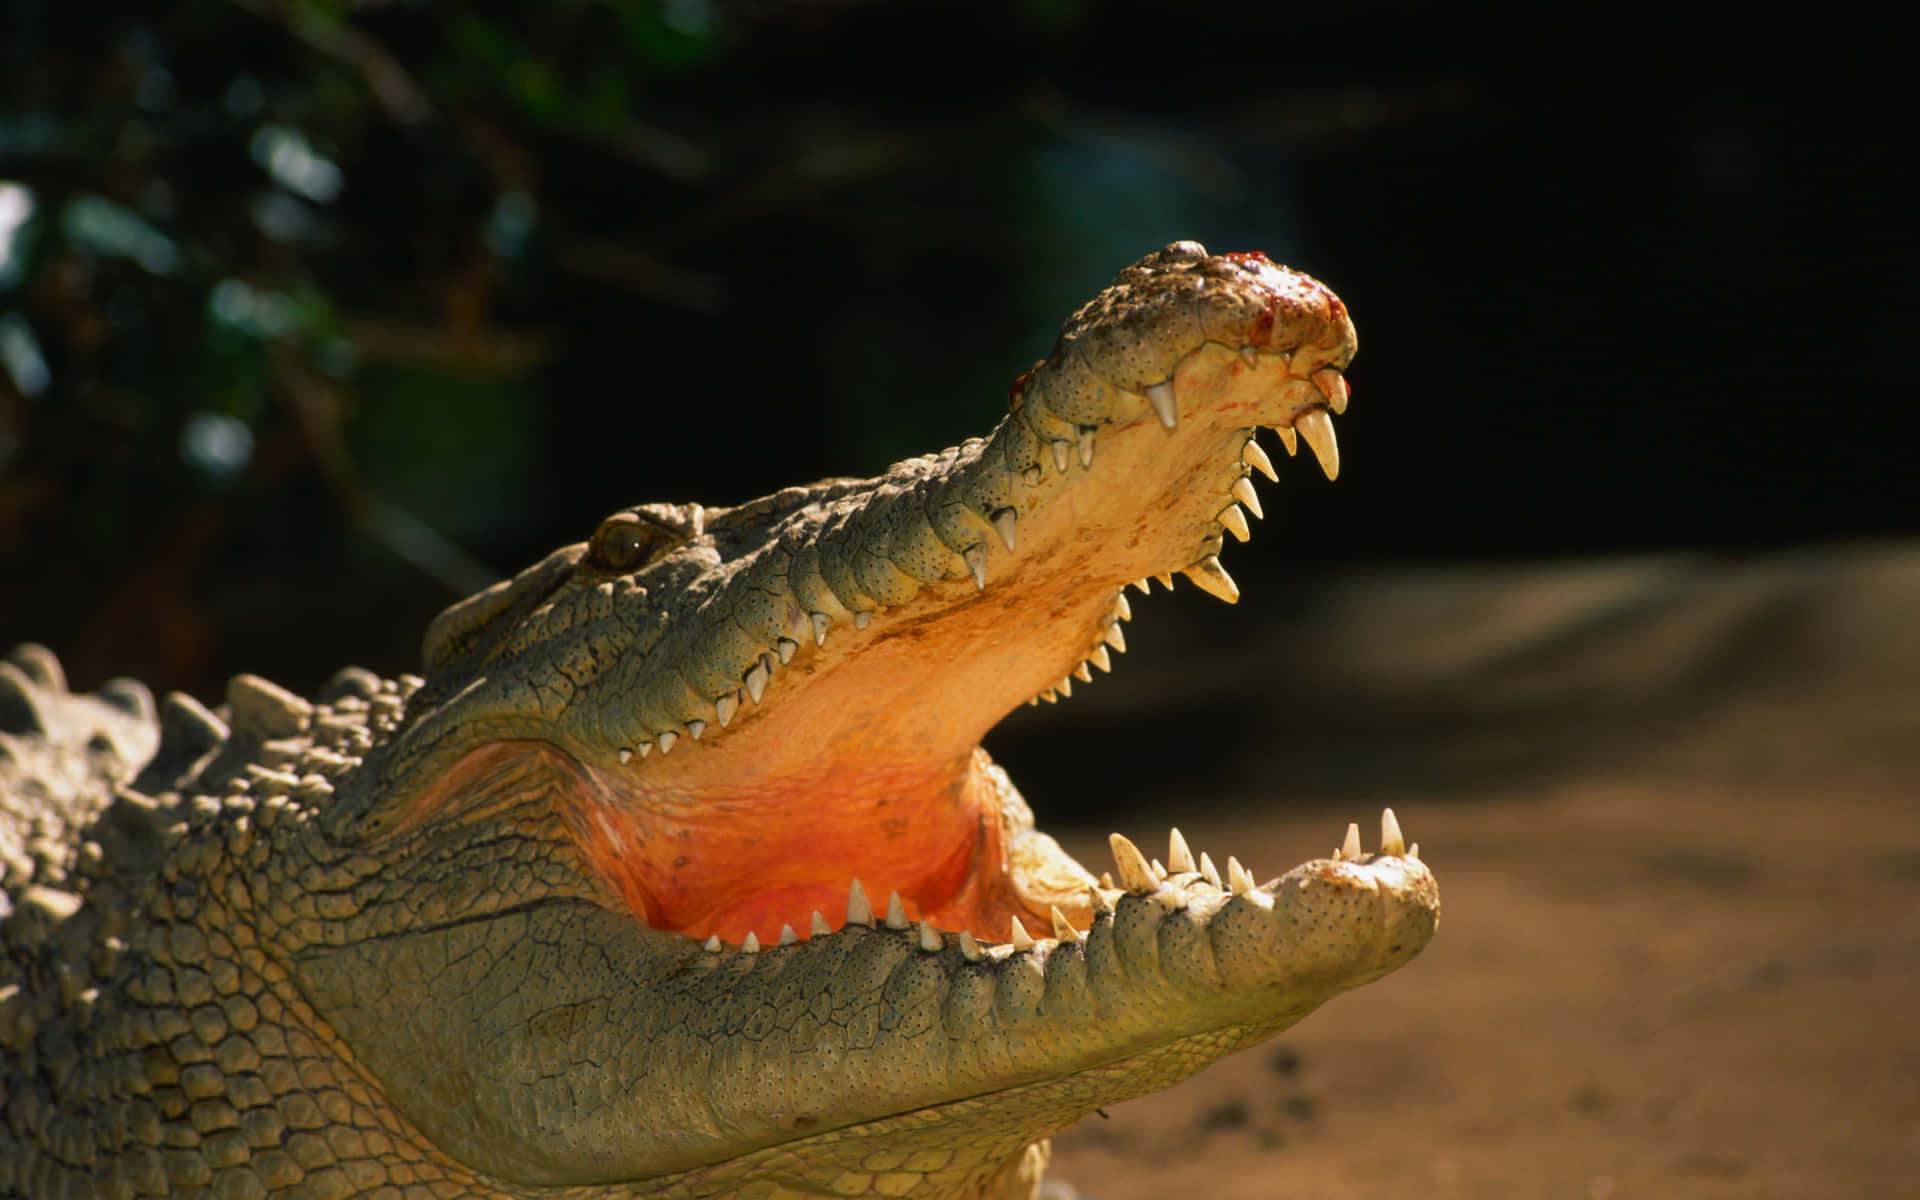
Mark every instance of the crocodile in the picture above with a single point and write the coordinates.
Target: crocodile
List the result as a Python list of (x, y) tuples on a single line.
[(679, 870)]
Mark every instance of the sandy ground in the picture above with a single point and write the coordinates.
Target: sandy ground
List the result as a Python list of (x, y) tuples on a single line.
[(1672, 809)]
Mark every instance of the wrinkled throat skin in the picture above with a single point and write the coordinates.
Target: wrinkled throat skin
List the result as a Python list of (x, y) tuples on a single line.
[(680, 871)]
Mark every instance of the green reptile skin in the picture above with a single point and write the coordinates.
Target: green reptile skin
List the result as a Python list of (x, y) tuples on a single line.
[(393, 940)]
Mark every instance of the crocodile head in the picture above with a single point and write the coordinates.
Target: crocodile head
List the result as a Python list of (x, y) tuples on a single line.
[(744, 907)]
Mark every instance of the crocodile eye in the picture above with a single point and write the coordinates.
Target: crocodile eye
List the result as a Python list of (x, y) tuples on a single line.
[(624, 542)]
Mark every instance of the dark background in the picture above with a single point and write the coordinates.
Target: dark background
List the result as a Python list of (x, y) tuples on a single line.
[(322, 314)]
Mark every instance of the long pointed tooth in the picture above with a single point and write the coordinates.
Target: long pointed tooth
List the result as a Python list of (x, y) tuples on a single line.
[(1288, 438), (1332, 385), (1085, 445), (1083, 673), (1099, 657), (817, 925), (821, 623), (750, 944), (976, 560), (785, 648), (1136, 874), (1160, 395), (1115, 636), (1317, 427), (1145, 588), (1179, 857), (1235, 522), (665, 740), (1060, 450), (756, 679), (930, 939), (1159, 872), (1212, 578), (712, 944), (1239, 882), (1392, 843), (787, 936), (896, 912), (859, 908), (1350, 849), (1208, 871), (1166, 579), (695, 729), (1243, 492), (724, 707), (1121, 608), (1255, 457), (1063, 929), (1020, 939), (1003, 521), (970, 948), (1064, 687)]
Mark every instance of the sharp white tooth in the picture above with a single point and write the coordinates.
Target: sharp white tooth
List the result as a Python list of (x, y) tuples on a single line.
[(1146, 589), (1083, 673), (724, 707), (1060, 451), (1413, 852), (643, 749), (626, 756), (1166, 579), (1121, 608), (1350, 849), (1115, 636), (1391, 843), (1160, 395), (712, 944), (1317, 427), (1243, 492), (665, 740), (1085, 445), (1255, 457), (1179, 857), (1209, 872), (1063, 930), (817, 925), (976, 560), (1239, 882), (785, 647), (1050, 696), (1159, 872), (1064, 687), (930, 939), (1097, 900), (1235, 522), (1003, 521), (756, 679), (695, 729), (896, 912), (1332, 385), (821, 622), (1288, 438), (1021, 939), (1100, 658), (862, 619), (750, 944), (1212, 578), (787, 936), (969, 948), (1135, 873), (1106, 880), (859, 908)]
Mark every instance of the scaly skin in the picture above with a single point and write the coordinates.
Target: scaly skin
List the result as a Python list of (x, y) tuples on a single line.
[(526, 926)]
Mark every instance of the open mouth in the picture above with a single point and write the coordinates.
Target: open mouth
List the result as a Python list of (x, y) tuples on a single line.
[(793, 743)]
